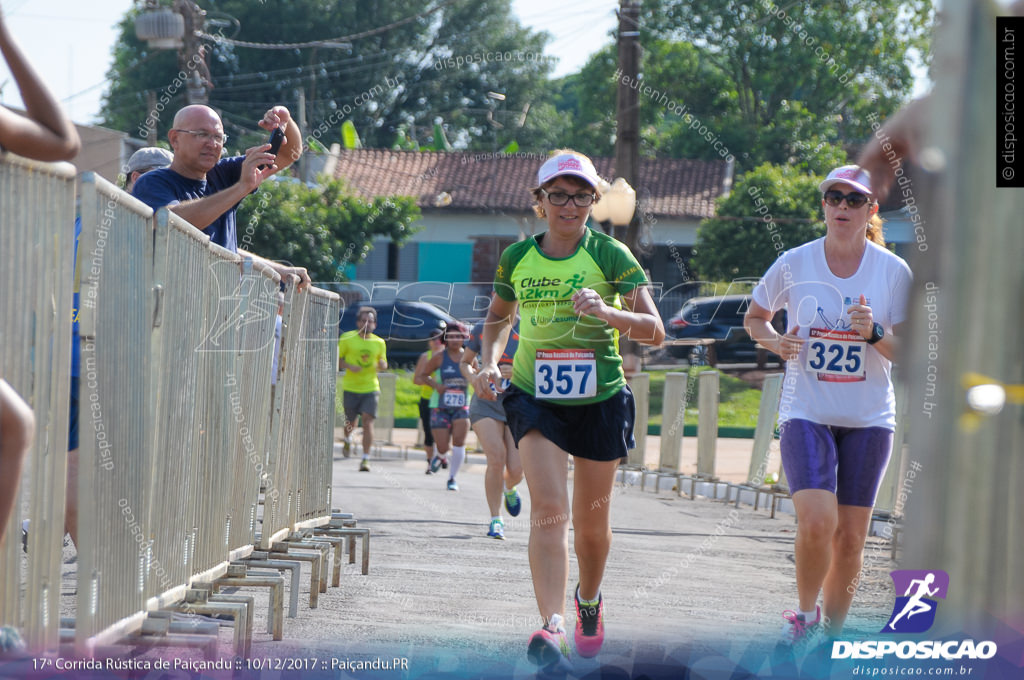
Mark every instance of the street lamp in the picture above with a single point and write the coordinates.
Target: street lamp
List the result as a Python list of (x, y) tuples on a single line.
[(617, 204)]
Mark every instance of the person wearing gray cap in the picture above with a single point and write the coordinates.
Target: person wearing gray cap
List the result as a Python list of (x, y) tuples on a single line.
[(142, 161)]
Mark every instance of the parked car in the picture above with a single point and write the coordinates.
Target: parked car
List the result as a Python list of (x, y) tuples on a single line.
[(709, 330), (405, 326)]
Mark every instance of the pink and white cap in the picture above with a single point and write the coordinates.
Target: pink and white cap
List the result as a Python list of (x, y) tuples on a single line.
[(854, 175), (574, 164)]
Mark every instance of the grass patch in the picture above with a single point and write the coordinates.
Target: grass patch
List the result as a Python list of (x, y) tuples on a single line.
[(407, 396), (738, 402)]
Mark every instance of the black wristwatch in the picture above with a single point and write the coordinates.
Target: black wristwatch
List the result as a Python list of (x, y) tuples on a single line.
[(877, 333)]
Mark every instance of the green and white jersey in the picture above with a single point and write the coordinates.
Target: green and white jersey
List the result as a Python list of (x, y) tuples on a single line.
[(564, 357)]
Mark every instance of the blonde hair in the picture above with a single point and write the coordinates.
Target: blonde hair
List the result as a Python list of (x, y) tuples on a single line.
[(538, 207), (874, 233)]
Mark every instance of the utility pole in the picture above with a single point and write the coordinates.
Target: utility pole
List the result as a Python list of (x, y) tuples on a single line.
[(627, 141), (303, 162), (151, 106), (192, 55), (627, 109)]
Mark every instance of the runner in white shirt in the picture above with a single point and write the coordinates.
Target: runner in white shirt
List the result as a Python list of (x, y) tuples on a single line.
[(845, 299)]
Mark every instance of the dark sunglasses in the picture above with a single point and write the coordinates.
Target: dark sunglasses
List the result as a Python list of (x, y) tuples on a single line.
[(854, 199)]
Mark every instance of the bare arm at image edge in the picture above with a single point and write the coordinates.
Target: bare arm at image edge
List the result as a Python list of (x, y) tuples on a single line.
[(45, 133)]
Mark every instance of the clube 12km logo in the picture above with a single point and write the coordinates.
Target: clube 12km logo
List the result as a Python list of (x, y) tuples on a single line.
[(917, 594)]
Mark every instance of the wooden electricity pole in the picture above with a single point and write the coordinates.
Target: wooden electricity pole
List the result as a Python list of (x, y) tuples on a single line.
[(627, 109), (192, 56), (627, 140)]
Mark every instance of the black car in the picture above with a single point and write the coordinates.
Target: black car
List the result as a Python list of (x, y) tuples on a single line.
[(404, 325), (709, 330)]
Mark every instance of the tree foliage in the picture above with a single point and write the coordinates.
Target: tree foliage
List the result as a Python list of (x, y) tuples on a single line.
[(324, 229), (770, 209), (590, 97), (789, 85), (441, 65), (763, 81), (754, 80), (799, 74)]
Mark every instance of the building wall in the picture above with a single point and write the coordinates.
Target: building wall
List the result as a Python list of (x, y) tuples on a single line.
[(445, 261), (455, 228), (462, 248), (438, 227), (103, 151)]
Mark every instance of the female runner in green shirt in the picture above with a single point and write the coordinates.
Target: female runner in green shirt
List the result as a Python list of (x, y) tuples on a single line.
[(576, 291)]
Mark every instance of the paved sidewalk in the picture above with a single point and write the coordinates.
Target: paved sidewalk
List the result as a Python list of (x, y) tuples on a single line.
[(687, 582)]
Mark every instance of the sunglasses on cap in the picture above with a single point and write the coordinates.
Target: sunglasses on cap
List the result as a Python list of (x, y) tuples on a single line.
[(854, 199)]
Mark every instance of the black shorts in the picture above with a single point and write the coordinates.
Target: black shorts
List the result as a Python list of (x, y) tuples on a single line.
[(600, 431), (428, 434)]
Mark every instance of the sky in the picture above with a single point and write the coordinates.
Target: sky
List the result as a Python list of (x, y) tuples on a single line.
[(70, 42)]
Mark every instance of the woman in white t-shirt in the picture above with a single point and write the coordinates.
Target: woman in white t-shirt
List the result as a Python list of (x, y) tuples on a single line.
[(845, 296)]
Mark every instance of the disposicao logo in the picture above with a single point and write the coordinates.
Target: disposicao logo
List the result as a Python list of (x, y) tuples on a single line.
[(914, 612)]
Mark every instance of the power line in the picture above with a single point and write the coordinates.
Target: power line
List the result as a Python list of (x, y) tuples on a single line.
[(361, 59), (332, 42)]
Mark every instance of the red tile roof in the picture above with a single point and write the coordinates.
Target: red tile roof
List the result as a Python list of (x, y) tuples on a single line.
[(496, 182)]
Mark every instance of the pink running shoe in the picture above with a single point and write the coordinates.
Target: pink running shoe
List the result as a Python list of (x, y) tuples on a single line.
[(589, 634), (549, 647), (796, 627)]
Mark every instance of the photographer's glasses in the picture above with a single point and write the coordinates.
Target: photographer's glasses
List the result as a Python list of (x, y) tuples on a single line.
[(203, 136)]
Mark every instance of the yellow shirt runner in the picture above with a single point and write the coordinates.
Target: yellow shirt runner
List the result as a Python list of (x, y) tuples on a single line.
[(354, 349)]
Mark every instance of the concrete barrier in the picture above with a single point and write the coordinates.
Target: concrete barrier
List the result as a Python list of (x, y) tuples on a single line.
[(886, 499), (640, 385), (673, 412), (750, 491), (707, 422)]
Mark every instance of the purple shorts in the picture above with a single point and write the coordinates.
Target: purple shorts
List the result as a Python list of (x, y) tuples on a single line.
[(848, 461)]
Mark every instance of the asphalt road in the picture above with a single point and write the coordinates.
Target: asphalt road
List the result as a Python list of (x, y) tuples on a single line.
[(694, 583)]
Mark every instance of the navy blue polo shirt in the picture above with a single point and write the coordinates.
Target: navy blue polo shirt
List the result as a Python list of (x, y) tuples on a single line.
[(163, 187)]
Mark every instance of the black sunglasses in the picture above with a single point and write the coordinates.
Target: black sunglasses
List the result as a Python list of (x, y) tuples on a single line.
[(854, 199)]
